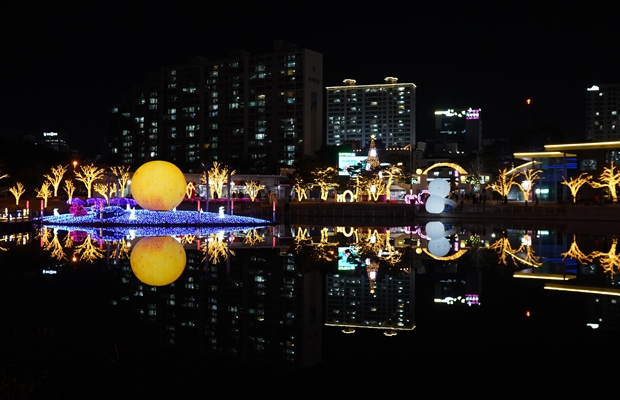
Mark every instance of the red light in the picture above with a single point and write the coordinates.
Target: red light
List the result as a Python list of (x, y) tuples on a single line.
[(527, 314)]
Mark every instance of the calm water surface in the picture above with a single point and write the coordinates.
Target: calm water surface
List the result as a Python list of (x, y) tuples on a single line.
[(280, 307)]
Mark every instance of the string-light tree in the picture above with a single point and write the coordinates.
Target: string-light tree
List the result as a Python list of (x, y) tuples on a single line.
[(4, 176), (374, 187), (69, 189), (575, 184), (609, 179), (88, 175), (122, 177), (218, 175), (323, 178), (392, 172), (44, 192), (253, 188), (504, 183), (102, 189), (17, 191), (526, 186), (300, 186), (55, 178)]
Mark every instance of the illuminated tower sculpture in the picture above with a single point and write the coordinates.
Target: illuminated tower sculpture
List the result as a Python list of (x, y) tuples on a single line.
[(372, 161)]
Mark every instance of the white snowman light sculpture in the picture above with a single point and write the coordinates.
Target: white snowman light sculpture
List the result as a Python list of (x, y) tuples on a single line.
[(438, 243), (436, 203)]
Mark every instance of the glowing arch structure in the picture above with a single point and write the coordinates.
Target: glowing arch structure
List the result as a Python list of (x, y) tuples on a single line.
[(451, 257), (447, 164)]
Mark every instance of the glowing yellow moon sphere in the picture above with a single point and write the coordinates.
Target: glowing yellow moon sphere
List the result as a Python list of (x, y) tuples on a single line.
[(158, 186), (158, 261)]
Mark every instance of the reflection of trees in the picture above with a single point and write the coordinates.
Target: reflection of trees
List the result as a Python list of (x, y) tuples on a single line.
[(610, 260), (121, 249), (88, 251), (252, 238), (377, 244), (314, 254), (216, 247), (524, 254), (576, 253), (55, 247), (188, 239)]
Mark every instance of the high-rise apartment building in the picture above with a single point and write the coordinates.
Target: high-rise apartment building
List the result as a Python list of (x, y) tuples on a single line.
[(355, 113), (256, 113), (602, 112)]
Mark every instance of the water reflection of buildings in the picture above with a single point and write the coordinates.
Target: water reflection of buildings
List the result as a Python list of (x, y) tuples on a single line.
[(256, 306), (350, 303), (372, 289)]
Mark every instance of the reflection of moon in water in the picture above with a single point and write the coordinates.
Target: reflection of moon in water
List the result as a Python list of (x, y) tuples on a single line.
[(158, 186), (158, 261)]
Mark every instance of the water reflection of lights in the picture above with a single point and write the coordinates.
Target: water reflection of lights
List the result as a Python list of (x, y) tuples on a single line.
[(523, 254), (550, 277), (217, 248), (583, 289)]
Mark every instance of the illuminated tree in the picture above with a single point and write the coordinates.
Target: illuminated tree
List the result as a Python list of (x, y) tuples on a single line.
[(609, 179), (4, 176), (575, 184), (218, 175), (391, 172), (374, 187), (526, 186), (56, 177), (121, 174), (253, 188), (300, 186), (102, 189), (476, 171), (323, 178), (17, 191), (44, 192), (88, 175), (504, 183), (69, 189)]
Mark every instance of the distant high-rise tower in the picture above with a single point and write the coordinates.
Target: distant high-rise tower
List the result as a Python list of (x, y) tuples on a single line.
[(462, 127), (357, 112), (602, 113), (255, 113)]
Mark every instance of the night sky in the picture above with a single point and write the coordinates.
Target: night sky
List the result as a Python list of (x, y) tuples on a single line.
[(65, 65)]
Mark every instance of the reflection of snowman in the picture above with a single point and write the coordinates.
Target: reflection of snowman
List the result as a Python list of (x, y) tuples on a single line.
[(438, 243), (436, 203)]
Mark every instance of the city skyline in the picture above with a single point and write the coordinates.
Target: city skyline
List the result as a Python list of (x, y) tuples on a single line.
[(70, 64)]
